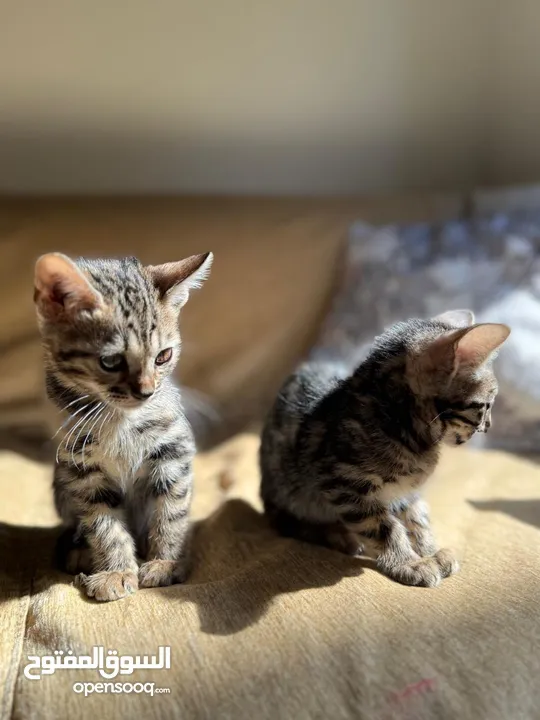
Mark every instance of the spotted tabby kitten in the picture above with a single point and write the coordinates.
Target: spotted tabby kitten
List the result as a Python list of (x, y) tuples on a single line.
[(343, 457), (123, 478)]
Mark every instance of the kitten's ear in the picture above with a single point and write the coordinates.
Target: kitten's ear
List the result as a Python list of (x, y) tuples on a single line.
[(175, 280), (464, 348), (479, 342), (61, 289), (457, 318)]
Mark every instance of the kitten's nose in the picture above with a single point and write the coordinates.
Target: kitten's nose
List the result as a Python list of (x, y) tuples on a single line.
[(142, 390), (142, 387), (140, 395)]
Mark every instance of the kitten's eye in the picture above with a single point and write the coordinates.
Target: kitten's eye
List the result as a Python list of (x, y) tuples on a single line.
[(112, 363), (164, 356)]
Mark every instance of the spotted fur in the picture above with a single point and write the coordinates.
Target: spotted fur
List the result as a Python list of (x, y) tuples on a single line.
[(344, 456), (123, 475)]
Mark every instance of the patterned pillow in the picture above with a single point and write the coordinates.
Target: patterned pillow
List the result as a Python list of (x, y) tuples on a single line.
[(490, 265)]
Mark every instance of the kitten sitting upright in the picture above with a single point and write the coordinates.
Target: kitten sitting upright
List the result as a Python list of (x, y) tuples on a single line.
[(123, 478), (343, 457)]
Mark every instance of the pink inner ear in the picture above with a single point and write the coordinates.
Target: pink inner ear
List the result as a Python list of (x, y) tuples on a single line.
[(60, 283), (55, 292), (480, 342), (440, 354), (169, 275)]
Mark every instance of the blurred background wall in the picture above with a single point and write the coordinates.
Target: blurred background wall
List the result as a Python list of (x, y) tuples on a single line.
[(260, 96)]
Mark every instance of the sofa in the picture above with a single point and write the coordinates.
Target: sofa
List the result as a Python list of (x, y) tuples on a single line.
[(266, 626)]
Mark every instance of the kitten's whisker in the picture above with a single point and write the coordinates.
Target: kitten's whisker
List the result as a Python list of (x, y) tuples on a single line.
[(102, 410), (65, 441), (62, 426), (70, 417), (63, 394), (87, 420), (73, 402), (102, 424), (78, 424), (437, 416), (437, 439)]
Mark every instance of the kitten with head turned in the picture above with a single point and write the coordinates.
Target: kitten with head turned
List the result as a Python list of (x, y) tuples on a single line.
[(123, 474), (344, 456)]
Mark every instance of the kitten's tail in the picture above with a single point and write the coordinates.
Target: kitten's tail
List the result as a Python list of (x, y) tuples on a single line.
[(201, 413)]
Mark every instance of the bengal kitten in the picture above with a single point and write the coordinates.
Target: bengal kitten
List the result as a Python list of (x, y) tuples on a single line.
[(344, 456), (123, 476)]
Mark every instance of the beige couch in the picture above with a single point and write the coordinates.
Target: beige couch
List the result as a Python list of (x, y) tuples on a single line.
[(266, 627)]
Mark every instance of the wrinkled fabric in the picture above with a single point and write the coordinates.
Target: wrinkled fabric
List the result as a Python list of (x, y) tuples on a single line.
[(269, 627), (266, 627)]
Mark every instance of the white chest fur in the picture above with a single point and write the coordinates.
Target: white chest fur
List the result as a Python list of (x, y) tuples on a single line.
[(123, 449)]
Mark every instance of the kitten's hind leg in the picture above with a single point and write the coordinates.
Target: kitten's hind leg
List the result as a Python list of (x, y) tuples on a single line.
[(338, 537), (335, 536), (291, 526), (72, 553)]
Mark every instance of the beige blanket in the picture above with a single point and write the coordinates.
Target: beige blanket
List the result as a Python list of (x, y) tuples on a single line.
[(271, 628), (266, 627)]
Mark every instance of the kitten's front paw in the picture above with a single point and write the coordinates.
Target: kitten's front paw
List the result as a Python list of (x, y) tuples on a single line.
[(421, 573), (107, 586), (447, 562), (158, 573), (423, 544)]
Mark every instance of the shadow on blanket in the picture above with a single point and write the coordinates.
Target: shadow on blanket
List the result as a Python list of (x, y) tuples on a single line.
[(240, 566), (527, 511)]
